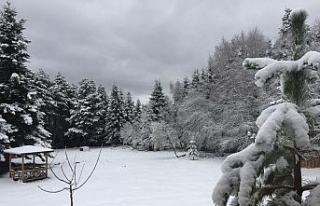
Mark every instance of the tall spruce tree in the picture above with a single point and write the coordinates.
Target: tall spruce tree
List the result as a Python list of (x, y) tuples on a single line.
[(85, 118), (17, 103), (115, 117), (101, 113), (268, 171), (137, 111), (157, 103), (129, 108), (64, 96)]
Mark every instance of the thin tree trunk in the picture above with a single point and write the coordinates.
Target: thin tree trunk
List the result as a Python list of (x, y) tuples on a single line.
[(71, 195), (297, 177)]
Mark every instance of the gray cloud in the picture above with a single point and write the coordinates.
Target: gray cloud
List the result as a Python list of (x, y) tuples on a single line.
[(133, 42)]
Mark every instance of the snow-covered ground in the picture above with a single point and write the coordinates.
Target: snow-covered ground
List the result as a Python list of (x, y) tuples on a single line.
[(123, 177), (126, 177)]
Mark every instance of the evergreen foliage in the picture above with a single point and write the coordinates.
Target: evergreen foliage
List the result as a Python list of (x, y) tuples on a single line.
[(87, 118), (19, 106), (268, 171), (157, 103), (115, 117), (64, 96)]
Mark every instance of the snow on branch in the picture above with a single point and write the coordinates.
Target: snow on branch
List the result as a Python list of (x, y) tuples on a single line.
[(239, 174), (269, 68), (282, 116)]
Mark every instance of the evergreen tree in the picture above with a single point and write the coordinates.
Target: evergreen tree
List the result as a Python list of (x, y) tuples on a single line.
[(18, 104), (115, 117), (129, 108), (102, 108), (43, 97), (157, 103), (281, 48), (137, 111), (64, 96), (195, 79), (85, 118), (270, 167)]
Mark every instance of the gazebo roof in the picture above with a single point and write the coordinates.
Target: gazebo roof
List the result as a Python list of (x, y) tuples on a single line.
[(27, 149)]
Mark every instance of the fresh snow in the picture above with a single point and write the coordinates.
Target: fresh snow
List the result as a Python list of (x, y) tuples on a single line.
[(123, 177), (273, 118), (127, 177), (27, 149), (269, 67)]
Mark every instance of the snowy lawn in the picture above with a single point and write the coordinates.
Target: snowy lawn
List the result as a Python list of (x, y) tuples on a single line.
[(127, 177), (123, 177)]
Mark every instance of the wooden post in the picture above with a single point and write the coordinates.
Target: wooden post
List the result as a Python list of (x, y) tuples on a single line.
[(22, 168), (10, 156), (34, 161), (46, 154)]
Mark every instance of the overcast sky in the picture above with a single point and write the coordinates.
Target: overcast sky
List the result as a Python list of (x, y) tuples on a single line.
[(132, 43)]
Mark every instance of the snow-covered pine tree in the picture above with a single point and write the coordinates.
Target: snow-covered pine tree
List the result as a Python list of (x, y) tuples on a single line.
[(115, 117), (129, 108), (281, 48), (157, 103), (192, 151), (269, 169), (101, 113), (64, 96), (39, 83), (137, 111), (85, 118), (195, 78), (17, 105)]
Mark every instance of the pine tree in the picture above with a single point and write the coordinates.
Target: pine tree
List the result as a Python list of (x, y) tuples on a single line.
[(39, 83), (86, 118), (195, 79), (137, 111), (129, 108), (64, 96), (102, 108), (18, 105), (157, 103), (115, 117), (270, 167), (281, 48)]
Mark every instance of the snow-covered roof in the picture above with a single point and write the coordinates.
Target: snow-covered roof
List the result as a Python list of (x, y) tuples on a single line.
[(27, 149)]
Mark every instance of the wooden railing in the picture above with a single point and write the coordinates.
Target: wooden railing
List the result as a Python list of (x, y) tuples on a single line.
[(29, 173)]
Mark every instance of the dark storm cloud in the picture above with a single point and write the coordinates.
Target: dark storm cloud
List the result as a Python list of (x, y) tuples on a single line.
[(133, 42)]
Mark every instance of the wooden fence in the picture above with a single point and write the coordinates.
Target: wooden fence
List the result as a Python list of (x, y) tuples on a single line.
[(311, 162)]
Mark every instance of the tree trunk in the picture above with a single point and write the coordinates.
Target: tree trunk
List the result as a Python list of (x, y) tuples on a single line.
[(297, 177), (71, 195)]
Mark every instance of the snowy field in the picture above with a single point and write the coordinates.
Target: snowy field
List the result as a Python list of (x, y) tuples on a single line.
[(126, 177)]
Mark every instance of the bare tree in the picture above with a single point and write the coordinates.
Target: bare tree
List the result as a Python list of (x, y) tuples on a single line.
[(73, 180)]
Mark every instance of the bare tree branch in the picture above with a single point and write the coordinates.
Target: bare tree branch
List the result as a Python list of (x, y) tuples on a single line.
[(57, 177), (73, 181), (57, 191), (69, 163), (91, 171)]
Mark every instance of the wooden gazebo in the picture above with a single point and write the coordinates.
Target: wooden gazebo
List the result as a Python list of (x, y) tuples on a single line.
[(27, 169)]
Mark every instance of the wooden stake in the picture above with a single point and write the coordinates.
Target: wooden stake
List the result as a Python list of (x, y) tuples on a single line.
[(22, 167), (10, 175), (46, 154)]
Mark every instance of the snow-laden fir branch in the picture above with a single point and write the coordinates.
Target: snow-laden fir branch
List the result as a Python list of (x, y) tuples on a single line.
[(274, 118), (269, 68)]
